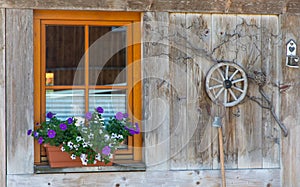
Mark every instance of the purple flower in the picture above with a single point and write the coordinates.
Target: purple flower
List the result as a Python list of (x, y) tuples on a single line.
[(40, 140), (133, 131), (106, 150), (63, 126), (100, 110), (70, 120), (35, 134), (119, 116), (125, 115), (88, 115), (50, 115), (51, 133), (29, 132)]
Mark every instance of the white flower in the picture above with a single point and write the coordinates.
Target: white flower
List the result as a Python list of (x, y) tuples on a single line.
[(91, 136), (83, 159), (73, 157), (62, 149), (100, 131), (79, 121), (98, 157), (106, 137), (70, 144), (84, 144), (120, 136), (78, 138), (113, 135)]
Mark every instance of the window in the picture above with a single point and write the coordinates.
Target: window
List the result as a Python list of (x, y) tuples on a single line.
[(88, 59)]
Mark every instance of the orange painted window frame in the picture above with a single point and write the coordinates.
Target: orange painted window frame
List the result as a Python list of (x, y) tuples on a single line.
[(132, 21)]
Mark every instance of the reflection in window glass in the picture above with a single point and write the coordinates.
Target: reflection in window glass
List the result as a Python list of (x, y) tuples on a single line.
[(107, 55), (65, 103), (64, 52)]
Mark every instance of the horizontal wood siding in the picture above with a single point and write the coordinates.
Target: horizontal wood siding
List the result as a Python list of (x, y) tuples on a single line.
[(2, 100), (19, 85), (204, 6), (290, 107), (206, 178)]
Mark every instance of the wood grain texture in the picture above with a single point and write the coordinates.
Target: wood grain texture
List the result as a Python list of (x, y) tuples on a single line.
[(156, 90), (271, 41), (250, 128), (204, 178), (290, 92), (2, 101), (200, 131), (178, 73), (204, 6), (19, 84)]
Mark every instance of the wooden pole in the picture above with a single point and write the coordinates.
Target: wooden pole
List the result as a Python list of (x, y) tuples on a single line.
[(222, 156)]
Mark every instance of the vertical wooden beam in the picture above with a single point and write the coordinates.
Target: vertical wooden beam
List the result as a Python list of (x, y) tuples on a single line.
[(290, 107), (178, 74), (2, 101), (199, 129), (156, 90), (19, 84)]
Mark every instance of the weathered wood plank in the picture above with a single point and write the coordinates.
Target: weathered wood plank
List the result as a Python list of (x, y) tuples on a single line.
[(270, 130), (198, 119), (2, 101), (250, 121), (19, 84), (178, 74), (224, 49), (208, 6), (290, 108), (156, 90), (204, 178)]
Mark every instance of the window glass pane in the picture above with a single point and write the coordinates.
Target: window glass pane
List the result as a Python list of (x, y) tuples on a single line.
[(112, 101), (107, 55), (64, 52), (65, 103)]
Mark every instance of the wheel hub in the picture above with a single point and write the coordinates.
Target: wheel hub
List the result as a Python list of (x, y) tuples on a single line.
[(227, 84)]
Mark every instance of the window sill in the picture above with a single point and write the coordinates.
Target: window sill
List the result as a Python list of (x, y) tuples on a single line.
[(118, 166)]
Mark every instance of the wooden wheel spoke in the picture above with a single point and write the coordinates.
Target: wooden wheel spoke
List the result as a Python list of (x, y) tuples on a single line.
[(219, 93), (221, 74), (238, 80), (225, 96), (232, 94), (238, 89), (216, 86), (217, 80), (231, 77), (226, 72)]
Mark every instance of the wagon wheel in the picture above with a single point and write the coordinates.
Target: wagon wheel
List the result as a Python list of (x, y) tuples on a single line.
[(226, 82)]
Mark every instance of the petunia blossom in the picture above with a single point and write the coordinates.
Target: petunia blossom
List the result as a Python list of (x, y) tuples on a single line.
[(88, 115), (35, 134), (125, 115), (100, 110), (70, 120), (106, 150), (119, 116), (40, 140), (63, 126), (50, 115), (51, 133), (29, 132)]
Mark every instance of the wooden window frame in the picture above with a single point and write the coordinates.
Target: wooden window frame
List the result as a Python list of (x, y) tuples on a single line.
[(86, 18)]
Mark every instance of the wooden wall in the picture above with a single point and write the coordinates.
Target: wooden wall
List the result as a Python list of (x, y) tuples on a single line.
[(178, 50), (185, 46)]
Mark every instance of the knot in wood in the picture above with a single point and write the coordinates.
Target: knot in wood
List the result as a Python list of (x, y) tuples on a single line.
[(260, 78)]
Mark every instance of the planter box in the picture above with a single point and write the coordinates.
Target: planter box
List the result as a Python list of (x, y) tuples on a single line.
[(59, 159)]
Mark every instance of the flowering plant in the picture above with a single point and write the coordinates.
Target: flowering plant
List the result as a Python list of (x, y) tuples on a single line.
[(90, 138)]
